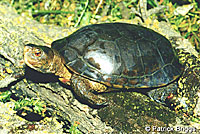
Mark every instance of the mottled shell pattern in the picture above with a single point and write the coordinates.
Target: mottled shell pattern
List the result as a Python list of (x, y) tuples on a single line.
[(120, 55)]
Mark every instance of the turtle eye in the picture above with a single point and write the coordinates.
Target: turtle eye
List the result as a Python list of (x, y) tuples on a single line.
[(37, 52)]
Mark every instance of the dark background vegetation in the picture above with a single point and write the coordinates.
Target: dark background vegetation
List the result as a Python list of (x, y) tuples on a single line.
[(75, 13)]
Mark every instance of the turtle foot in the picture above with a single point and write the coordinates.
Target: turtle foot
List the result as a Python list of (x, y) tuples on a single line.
[(85, 90)]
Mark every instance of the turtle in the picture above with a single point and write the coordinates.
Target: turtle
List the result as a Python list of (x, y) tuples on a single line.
[(101, 58)]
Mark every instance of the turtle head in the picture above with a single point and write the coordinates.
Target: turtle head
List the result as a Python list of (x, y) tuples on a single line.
[(39, 58)]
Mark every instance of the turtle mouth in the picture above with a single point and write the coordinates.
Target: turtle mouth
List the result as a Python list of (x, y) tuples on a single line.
[(29, 59), (32, 63)]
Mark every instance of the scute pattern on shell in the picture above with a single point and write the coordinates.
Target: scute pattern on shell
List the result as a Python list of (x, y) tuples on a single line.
[(120, 54)]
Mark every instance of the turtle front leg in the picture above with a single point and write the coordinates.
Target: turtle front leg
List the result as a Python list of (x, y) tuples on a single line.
[(85, 89)]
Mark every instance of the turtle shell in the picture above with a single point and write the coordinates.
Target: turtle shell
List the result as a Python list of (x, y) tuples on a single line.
[(120, 55)]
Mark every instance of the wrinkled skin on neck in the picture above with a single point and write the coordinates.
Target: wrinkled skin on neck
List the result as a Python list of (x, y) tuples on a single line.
[(45, 60)]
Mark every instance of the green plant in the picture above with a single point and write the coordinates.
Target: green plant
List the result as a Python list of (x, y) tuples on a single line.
[(5, 96), (31, 105), (74, 128)]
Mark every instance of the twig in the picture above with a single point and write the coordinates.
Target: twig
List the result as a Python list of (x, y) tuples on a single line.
[(79, 19)]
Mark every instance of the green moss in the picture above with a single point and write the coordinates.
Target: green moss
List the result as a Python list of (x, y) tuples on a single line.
[(130, 111)]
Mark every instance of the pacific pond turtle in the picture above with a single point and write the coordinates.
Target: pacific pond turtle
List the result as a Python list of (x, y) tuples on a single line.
[(110, 57)]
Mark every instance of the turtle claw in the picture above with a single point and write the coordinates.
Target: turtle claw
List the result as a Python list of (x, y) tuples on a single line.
[(99, 101), (90, 98), (85, 89)]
